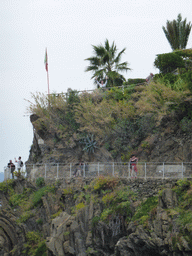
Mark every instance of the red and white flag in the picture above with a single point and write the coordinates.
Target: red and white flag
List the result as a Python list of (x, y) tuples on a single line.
[(46, 60)]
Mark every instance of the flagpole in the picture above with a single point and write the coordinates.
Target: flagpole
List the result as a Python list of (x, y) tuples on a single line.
[(46, 67), (48, 80)]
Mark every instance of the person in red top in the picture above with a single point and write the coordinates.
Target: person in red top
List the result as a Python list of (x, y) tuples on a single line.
[(133, 164)]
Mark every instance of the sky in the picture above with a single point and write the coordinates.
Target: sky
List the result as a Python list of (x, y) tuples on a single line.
[(69, 29)]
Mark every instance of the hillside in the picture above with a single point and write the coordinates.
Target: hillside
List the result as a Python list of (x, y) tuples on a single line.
[(99, 217), (152, 121)]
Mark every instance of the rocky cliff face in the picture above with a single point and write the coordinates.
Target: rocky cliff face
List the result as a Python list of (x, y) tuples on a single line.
[(169, 144), (75, 218)]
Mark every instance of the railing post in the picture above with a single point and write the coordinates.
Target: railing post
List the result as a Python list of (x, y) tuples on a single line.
[(57, 171), (182, 170), (84, 170), (163, 170), (145, 171), (98, 169), (113, 169), (70, 169), (129, 170), (45, 171)]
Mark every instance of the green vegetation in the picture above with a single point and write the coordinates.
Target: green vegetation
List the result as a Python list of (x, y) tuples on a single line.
[(35, 245), (37, 195), (142, 212), (113, 117), (168, 62), (56, 214), (67, 191), (7, 186), (104, 183), (25, 216), (40, 182)]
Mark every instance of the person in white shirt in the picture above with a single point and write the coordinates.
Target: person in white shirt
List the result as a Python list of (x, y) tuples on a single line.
[(101, 84), (19, 164)]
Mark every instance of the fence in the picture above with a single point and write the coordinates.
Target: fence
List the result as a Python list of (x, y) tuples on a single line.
[(8, 174), (146, 170)]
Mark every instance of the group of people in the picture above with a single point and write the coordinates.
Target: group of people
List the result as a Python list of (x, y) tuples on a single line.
[(133, 167), (11, 166)]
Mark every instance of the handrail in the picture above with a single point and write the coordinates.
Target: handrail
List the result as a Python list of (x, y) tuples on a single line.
[(144, 170)]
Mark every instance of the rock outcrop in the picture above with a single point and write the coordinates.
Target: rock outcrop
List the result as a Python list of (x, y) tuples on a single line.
[(80, 231)]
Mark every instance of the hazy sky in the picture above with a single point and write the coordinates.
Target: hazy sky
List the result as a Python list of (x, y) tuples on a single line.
[(69, 28)]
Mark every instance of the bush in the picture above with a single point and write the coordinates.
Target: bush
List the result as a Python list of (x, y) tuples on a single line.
[(35, 245), (104, 183), (95, 221), (167, 79), (25, 216), (186, 125), (40, 182), (168, 62), (7, 186), (37, 196), (134, 81), (146, 207), (187, 77)]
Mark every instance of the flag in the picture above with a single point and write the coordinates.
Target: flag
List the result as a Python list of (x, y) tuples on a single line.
[(46, 60)]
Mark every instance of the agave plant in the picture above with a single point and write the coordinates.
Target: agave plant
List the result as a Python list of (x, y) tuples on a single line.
[(89, 143)]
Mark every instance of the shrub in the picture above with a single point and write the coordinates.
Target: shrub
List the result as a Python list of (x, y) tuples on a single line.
[(104, 183), (35, 245), (40, 182), (79, 206), (39, 221), (67, 191), (167, 79), (37, 196), (56, 214), (186, 125), (145, 208), (95, 221), (131, 81), (108, 198), (25, 216), (105, 214), (15, 199), (115, 94), (168, 62), (7, 186)]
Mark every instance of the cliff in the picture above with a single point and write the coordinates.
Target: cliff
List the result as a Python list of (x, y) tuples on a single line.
[(103, 216), (153, 122)]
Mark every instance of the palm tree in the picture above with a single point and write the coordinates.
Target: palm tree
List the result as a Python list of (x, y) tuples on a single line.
[(106, 63), (177, 33)]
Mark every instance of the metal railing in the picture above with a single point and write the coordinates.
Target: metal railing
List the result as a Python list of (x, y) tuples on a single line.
[(155, 170)]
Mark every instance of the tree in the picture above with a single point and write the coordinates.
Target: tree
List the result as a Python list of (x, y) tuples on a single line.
[(177, 33), (106, 62)]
